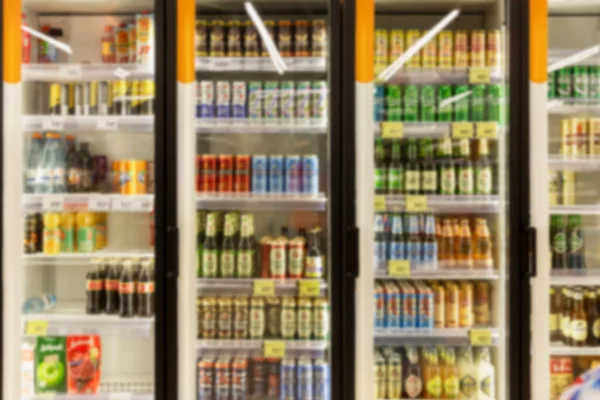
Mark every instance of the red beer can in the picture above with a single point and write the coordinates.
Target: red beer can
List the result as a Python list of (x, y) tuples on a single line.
[(242, 173), (199, 174), (209, 173), (225, 173)]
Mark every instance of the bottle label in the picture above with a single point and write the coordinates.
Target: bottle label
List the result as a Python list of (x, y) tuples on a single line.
[(412, 181), (468, 386), (245, 263), (487, 387), (94, 285), (380, 253), (58, 175), (484, 180), (451, 387), (430, 251), (575, 242), (296, 259), (321, 322), (144, 287), (288, 322), (44, 175), (430, 181), (32, 176), (126, 288), (67, 243), (228, 263), (395, 179), (314, 267), (111, 285), (74, 176), (559, 243), (85, 239), (209, 263), (448, 180), (434, 387), (579, 330), (257, 322), (277, 261), (398, 250), (413, 386), (380, 178), (304, 322), (565, 326), (414, 251), (465, 181)]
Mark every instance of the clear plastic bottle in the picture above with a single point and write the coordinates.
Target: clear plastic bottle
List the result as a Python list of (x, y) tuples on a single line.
[(53, 165), (39, 304), (34, 159)]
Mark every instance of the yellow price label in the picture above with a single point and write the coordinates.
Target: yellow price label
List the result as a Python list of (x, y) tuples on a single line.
[(416, 203), (486, 130), (36, 328), (399, 268), (480, 337), (379, 203), (274, 349), (392, 130), (479, 75), (263, 287), (462, 130), (309, 288)]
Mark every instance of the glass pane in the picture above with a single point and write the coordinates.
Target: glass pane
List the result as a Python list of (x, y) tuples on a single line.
[(88, 169)]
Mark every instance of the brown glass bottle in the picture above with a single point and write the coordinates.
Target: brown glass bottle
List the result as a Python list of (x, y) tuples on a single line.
[(111, 286), (145, 290), (579, 318), (565, 316), (127, 291), (93, 287), (555, 334)]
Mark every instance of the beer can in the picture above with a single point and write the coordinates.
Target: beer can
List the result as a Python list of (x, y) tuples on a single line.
[(321, 378), (234, 38), (594, 133), (319, 38), (304, 388), (581, 84), (223, 99), (288, 379), (217, 38), (64, 99), (445, 45), (105, 98), (466, 304), (259, 174), (293, 174), (552, 85), (392, 305), (137, 172), (425, 307), (303, 101), (430, 54), (201, 38), (319, 100), (257, 318), (277, 259), (411, 103), (594, 81), (255, 100), (209, 173), (289, 318), (116, 176), (224, 318), (208, 318), (122, 43), (482, 304), (225, 173), (251, 40), (393, 376), (478, 102), (381, 47), (378, 102), (393, 99), (321, 318), (301, 42), (553, 188), (206, 378), (444, 110), (565, 82), (495, 101), (380, 305), (119, 97), (461, 49), (147, 97), (379, 372), (270, 26), (75, 99), (132, 32), (296, 256), (462, 107), (271, 102), (478, 46), (276, 182), (134, 92), (145, 39), (305, 319), (90, 98), (310, 174), (428, 103), (55, 99), (494, 48), (452, 305), (239, 381), (568, 188), (284, 38), (579, 137), (206, 99), (412, 36), (273, 317), (125, 178), (239, 100), (242, 173), (396, 44), (223, 378), (439, 306), (409, 306), (286, 101), (258, 372), (240, 318)]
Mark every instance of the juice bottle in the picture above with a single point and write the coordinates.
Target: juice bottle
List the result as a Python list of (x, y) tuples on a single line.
[(86, 232), (482, 245), (108, 45), (52, 233), (100, 224), (465, 246), (431, 374), (447, 244), (456, 241), (67, 236), (449, 373)]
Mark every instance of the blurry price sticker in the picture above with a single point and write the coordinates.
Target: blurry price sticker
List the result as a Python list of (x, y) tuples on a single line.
[(399, 268), (98, 203), (123, 204), (53, 203), (120, 396), (392, 130), (54, 124), (486, 130), (36, 328), (416, 203), (309, 288), (480, 337), (479, 75), (263, 288), (274, 349), (144, 204), (71, 72), (107, 124), (379, 203), (462, 130)]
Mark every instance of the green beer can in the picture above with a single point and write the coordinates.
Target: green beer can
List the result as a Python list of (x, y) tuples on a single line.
[(411, 103), (552, 85), (461, 107), (495, 98), (478, 103), (427, 103), (581, 83), (565, 83), (445, 112), (594, 81), (393, 101)]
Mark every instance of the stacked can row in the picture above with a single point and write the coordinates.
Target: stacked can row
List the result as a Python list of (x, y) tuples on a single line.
[(271, 101), (580, 137), (579, 82), (431, 304)]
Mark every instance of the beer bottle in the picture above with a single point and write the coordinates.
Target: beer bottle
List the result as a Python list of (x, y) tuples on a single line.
[(430, 245), (412, 172), (412, 380), (415, 247), (467, 374), (200, 237), (465, 253), (127, 291), (380, 167), (210, 259), (228, 252), (596, 321), (429, 180), (579, 330), (482, 245), (431, 374), (555, 335), (558, 241), (575, 243), (447, 244), (380, 250), (396, 169), (447, 171), (93, 288), (314, 257), (483, 170), (145, 290), (246, 256), (398, 245), (565, 316), (592, 314), (113, 277), (465, 169), (449, 373)]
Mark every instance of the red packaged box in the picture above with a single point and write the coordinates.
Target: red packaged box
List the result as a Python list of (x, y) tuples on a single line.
[(84, 355)]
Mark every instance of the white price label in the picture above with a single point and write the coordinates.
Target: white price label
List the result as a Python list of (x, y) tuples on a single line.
[(32, 204), (99, 203), (54, 124), (125, 204), (54, 203), (71, 72), (120, 396), (107, 124), (144, 204)]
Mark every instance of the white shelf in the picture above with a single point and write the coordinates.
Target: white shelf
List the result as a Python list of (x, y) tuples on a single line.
[(573, 106), (573, 6), (458, 336), (84, 72), (87, 123), (244, 126), (458, 274), (475, 204), (260, 64), (88, 202), (79, 323), (583, 209), (574, 351), (582, 164), (242, 345), (433, 76), (245, 286), (575, 277), (99, 396), (254, 201), (80, 258), (425, 129)]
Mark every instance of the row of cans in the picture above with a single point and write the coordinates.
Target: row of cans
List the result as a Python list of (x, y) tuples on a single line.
[(132, 176), (130, 42), (284, 317), (120, 97), (242, 377), (432, 304), (257, 100), (458, 49), (430, 103), (300, 38), (580, 81), (580, 137), (276, 174)]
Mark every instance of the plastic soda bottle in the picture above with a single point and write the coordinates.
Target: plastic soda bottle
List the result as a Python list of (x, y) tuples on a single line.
[(52, 233), (67, 232), (53, 165), (34, 164), (86, 232), (482, 245)]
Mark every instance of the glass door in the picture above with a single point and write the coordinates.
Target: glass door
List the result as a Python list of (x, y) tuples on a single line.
[(83, 166)]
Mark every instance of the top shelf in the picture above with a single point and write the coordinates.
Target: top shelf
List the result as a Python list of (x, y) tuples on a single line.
[(84, 72)]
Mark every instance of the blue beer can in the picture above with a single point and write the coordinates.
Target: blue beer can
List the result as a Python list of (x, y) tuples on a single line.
[(239, 99), (310, 174), (379, 298), (304, 387), (255, 100), (288, 379), (223, 99), (321, 379), (205, 99), (379, 102), (259, 174), (425, 307), (293, 174), (276, 174)]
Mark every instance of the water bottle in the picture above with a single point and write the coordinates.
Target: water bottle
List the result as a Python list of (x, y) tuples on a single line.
[(44, 170), (34, 160), (39, 304), (53, 165), (59, 163)]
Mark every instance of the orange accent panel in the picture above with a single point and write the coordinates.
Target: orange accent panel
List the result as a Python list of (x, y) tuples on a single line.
[(365, 46), (538, 40), (12, 40), (186, 34)]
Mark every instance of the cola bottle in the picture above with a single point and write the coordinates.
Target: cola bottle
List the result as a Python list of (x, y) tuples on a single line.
[(127, 291), (145, 290)]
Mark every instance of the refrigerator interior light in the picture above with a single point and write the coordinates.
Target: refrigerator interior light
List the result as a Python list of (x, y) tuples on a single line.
[(386, 74), (278, 62), (454, 99), (574, 58), (56, 43)]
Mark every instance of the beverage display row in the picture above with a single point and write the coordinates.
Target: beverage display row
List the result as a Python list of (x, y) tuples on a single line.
[(567, 242), (579, 82), (432, 304), (580, 137), (410, 166), (574, 377), (431, 372), (283, 317), (119, 98), (244, 377), (429, 103), (235, 38), (227, 248), (449, 49), (271, 101), (273, 174), (575, 315), (431, 243)]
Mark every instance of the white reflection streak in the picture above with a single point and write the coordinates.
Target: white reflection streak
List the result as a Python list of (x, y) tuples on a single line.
[(56, 43), (454, 99), (266, 37), (574, 59)]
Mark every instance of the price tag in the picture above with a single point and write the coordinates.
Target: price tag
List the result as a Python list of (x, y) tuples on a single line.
[(107, 124), (416, 203), (480, 337), (486, 130), (274, 349), (399, 268), (71, 72), (120, 396), (99, 203), (54, 124), (144, 204), (392, 130), (462, 130), (379, 203), (263, 288), (36, 328), (76, 203), (309, 288), (479, 75), (123, 204), (53, 203)]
